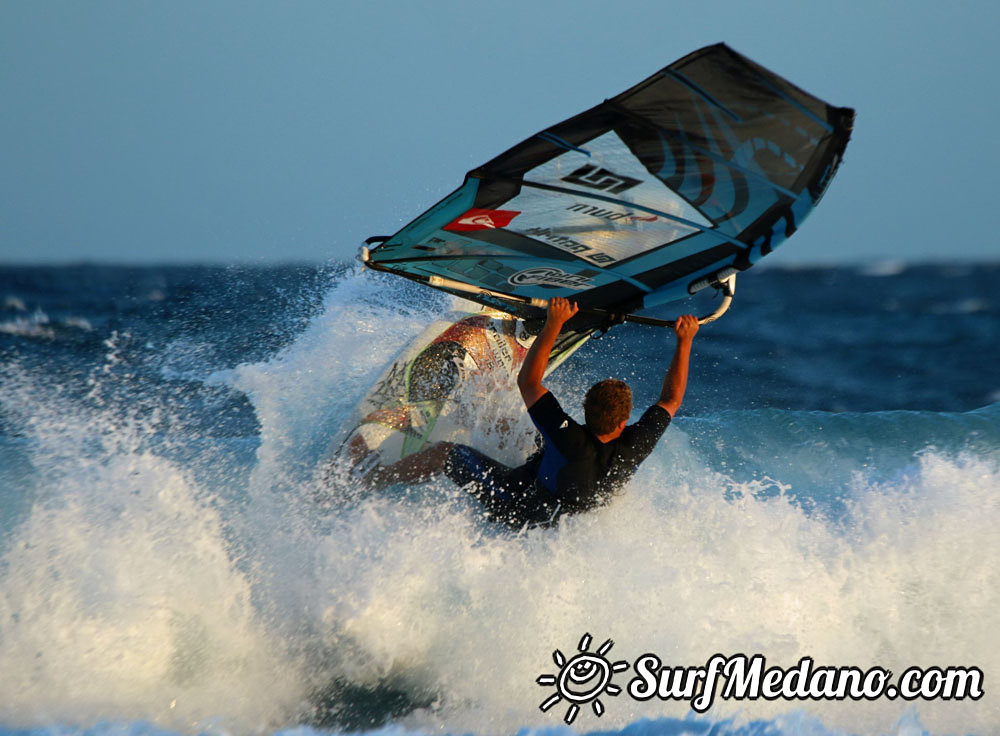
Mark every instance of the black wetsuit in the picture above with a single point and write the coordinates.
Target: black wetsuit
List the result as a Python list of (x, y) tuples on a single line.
[(574, 472)]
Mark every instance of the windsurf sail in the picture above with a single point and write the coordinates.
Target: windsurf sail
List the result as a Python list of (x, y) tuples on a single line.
[(690, 176)]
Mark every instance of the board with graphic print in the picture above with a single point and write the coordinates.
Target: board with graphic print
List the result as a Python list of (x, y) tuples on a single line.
[(439, 386)]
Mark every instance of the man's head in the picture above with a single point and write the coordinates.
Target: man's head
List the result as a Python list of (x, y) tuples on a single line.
[(607, 405)]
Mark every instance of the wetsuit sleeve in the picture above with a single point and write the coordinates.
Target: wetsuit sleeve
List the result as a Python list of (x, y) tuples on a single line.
[(640, 438), (547, 415)]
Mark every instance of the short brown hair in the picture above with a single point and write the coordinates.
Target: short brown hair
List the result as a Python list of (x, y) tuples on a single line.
[(607, 404)]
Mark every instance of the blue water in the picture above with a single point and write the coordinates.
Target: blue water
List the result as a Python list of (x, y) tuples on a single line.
[(830, 488)]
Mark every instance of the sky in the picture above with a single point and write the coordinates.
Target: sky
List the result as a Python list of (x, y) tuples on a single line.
[(224, 131)]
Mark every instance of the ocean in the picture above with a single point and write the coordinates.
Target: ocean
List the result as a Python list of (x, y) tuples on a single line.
[(169, 563)]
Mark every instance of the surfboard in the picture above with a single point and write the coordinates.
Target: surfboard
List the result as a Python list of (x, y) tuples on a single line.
[(438, 388)]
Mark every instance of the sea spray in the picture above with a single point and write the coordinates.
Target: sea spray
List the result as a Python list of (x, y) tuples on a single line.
[(118, 594), (158, 569)]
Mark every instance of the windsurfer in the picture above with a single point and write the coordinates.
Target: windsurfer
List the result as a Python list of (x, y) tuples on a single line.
[(579, 467)]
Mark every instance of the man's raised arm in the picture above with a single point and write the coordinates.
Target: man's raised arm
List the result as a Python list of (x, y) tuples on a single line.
[(675, 382), (529, 378)]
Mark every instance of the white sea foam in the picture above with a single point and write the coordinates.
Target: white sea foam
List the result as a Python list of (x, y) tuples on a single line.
[(131, 592), (39, 325), (687, 563), (14, 304), (119, 594), (675, 568), (36, 325)]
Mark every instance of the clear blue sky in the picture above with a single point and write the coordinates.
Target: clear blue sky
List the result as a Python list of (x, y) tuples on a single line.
[(235, 130)]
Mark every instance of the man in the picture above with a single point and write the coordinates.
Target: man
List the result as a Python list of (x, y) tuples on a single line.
[(580, 467)]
